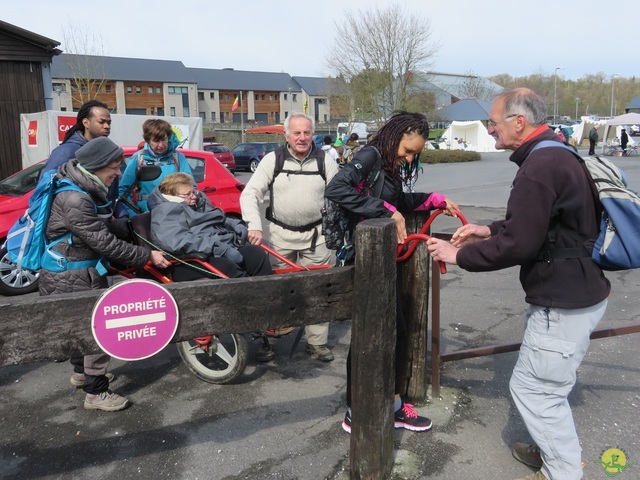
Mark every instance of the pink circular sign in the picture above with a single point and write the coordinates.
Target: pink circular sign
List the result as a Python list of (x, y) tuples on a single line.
[(134, 319)]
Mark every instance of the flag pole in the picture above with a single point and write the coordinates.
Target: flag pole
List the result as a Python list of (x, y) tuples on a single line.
[(241, 118)]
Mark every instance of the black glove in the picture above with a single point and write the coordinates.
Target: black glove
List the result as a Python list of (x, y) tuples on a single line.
[(241, 234)]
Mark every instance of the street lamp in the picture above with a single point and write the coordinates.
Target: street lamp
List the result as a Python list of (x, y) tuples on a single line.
[(612, 90), (58, 91), (577, 101), (555, 93)]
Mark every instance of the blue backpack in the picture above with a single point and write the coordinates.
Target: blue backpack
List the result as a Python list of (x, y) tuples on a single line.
[(27, 244), (618, 244)]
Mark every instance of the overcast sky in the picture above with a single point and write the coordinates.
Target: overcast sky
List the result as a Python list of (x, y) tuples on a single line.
[(484, 38)]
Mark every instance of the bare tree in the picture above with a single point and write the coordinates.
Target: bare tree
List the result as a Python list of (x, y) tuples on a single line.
[(378, 50), (85, 51)]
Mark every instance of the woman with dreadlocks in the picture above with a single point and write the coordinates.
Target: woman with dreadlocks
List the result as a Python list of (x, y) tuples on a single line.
[(371, 186)]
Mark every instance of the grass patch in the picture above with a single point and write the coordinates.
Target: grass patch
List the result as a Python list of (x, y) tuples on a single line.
[(448, 156)]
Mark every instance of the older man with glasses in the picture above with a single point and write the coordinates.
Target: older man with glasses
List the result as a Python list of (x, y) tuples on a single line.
[(551, 216)]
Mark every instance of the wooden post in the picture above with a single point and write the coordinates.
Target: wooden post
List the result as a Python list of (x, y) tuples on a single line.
[(414, 278), (373, 337)]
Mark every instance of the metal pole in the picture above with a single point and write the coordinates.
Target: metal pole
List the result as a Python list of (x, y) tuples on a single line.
[(555, 93), (612, 92), (577, 100), (241, 118)]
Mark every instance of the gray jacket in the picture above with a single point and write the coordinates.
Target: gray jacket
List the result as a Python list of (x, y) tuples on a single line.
[(93, 235), (180, 229)]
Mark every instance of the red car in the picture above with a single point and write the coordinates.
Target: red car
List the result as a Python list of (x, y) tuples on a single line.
[(212, 178), (222, 153)]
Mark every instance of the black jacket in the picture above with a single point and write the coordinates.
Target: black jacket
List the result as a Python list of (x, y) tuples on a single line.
[(346, 189), (550, 186)]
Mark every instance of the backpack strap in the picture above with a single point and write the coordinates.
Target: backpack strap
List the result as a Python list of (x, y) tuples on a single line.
[(549, 250), (278, 169)]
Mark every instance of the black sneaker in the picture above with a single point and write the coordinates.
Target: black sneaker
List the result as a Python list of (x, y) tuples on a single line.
[(408, 418), (346, 423), (265, 353)]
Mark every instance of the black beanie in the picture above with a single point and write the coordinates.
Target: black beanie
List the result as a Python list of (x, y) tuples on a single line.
[(98, 153)]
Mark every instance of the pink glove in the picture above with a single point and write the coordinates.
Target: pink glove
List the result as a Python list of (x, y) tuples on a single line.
[(435, 201)]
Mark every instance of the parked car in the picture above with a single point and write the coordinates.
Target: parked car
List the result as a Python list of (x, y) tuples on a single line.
[(15, 192), (212, 178), (222, 153), (248, 155)]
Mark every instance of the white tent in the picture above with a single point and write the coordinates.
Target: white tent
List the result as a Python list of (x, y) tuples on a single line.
[(473, 134), (626, 119), (581, 130)]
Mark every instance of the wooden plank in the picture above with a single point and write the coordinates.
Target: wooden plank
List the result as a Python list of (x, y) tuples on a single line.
[(373, 337), (414, 275), (46, 328)]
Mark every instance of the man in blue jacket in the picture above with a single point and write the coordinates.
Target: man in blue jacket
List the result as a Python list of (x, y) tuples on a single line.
[(93, 121)]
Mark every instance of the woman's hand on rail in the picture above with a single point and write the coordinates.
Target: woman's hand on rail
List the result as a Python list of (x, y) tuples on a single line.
[(451, 208), (470, 233), (401, 228), (157, 258), (254, 237), (442, 251)]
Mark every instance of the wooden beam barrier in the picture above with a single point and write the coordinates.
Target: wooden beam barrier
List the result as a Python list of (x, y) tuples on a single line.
[(414, 284), (46, 328), (373, 339)]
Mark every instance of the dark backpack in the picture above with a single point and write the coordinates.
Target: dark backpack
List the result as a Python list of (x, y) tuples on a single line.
[(338, 224), (617, 246)]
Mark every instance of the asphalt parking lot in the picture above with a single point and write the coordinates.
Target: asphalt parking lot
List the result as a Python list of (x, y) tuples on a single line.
[(281, 420)]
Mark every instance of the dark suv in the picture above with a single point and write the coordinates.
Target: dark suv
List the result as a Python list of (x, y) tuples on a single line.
[(248, 155)]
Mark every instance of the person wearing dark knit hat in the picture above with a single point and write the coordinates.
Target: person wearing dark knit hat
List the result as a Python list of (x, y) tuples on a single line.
[(95, 237), (98, 153)]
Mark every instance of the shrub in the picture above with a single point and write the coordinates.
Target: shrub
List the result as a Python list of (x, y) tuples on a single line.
[(448, 156)]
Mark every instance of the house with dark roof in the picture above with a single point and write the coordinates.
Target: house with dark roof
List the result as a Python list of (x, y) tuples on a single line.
[(25, 58), (633, 106), (135, 86), (263, 97), (164, 87)]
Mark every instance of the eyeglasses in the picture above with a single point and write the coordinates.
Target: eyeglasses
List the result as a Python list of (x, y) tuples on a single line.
[(115, 169), (193, 193), (491, 123)]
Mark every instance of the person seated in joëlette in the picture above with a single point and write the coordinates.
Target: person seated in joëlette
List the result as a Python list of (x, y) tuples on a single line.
[(184, 222)]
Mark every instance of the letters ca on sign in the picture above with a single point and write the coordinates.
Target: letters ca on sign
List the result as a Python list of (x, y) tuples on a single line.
[(64, 124)]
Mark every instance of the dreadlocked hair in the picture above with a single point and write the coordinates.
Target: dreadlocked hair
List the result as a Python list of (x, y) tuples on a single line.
[(84, 112), (388, 139)]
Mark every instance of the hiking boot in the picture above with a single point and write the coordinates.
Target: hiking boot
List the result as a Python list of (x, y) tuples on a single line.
[(346, 423), (535, 476), (77, 379), (105, 401), (527, 454), (279, 332), (320, 352), (265, 353), (408, 418)]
